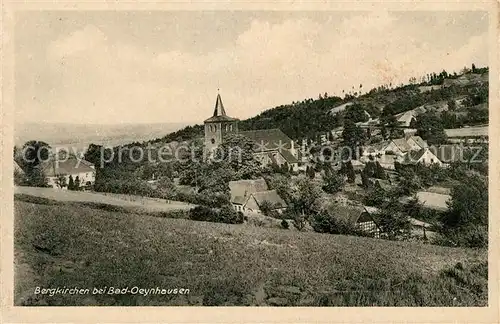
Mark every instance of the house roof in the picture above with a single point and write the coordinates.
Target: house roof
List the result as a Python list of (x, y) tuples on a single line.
[(375, 148), (68, 166), (219, 112), (242, 189), (433, 200), (402, 144), (270, 196), (349, 214), (406, 117), (413, 157), (420, 142), (268, 139), (288, 156)]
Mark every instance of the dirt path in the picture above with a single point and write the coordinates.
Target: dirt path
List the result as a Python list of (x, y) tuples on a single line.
[(84, 196)]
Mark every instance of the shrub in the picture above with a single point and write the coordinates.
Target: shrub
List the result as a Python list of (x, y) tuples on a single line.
[(327, 223), (35, 200), (230, 216), (203, 213), (224, 215)]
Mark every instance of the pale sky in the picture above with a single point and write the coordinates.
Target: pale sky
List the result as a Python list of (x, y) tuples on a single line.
[(144, 67)]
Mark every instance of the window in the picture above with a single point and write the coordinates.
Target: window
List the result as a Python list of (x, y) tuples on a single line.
[(231, 127), (212, 140)]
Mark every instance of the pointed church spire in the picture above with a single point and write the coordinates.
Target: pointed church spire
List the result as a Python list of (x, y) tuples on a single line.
[(219, 107)]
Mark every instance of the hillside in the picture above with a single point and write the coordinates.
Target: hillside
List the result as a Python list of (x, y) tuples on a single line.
[(68, 245), (311, 117)]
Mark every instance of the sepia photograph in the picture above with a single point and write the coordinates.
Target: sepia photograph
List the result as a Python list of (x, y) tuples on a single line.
[(251, 158)]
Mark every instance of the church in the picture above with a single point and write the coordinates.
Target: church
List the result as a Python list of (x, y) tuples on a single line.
[(272, 146)]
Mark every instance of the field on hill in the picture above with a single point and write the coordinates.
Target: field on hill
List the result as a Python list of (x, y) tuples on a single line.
[(67, 245)]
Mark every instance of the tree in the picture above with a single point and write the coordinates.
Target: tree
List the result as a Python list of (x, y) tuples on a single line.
[(452, 105), (334, 182), (469, 203), (77, 183), (266, 207), (392, 221), (348, 170), (237, 151), (430, 127), (71, 183), (304, 193), (61, 181), (375, 196), (379, 171), (352, 136)]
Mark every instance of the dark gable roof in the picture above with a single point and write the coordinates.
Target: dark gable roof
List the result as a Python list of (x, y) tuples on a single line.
[(241, 189), (270, 139), (348, 214), (412, 157), (53, 168), (402, 144), (288, 156), (420, 142), (270, 196), (214, 119)]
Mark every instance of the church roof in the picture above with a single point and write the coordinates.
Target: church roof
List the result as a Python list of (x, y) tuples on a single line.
[(219, 112), (268, 139)]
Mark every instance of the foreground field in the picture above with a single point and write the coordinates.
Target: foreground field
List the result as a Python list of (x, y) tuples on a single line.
[(64, 245)]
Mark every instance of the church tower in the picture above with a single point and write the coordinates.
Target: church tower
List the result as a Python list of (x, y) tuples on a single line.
[(218, 126)]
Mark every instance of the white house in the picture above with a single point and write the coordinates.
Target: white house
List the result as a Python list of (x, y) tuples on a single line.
[(423, 156), (78, 169)]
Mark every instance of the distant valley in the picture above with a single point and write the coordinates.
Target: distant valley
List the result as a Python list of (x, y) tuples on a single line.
[(79, 136)]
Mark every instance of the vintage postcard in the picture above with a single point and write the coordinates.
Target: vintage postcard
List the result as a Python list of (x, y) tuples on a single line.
[(307, 162)]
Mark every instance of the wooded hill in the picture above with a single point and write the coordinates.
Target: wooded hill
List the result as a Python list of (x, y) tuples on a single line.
[(311, 117)]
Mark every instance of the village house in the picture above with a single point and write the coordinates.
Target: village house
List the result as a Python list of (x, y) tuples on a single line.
[(272, 146), (404, 119), (423, 156), (416, 142), (359, 217), (398, 146), (250, 195), (82, 172)]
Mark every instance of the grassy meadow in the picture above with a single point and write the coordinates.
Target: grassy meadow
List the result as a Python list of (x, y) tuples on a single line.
[(61, 244)]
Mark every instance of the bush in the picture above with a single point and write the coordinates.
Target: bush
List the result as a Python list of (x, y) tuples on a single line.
[(35, 200), (327, 223), (228, 215), (224, 215), (203, 213)]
